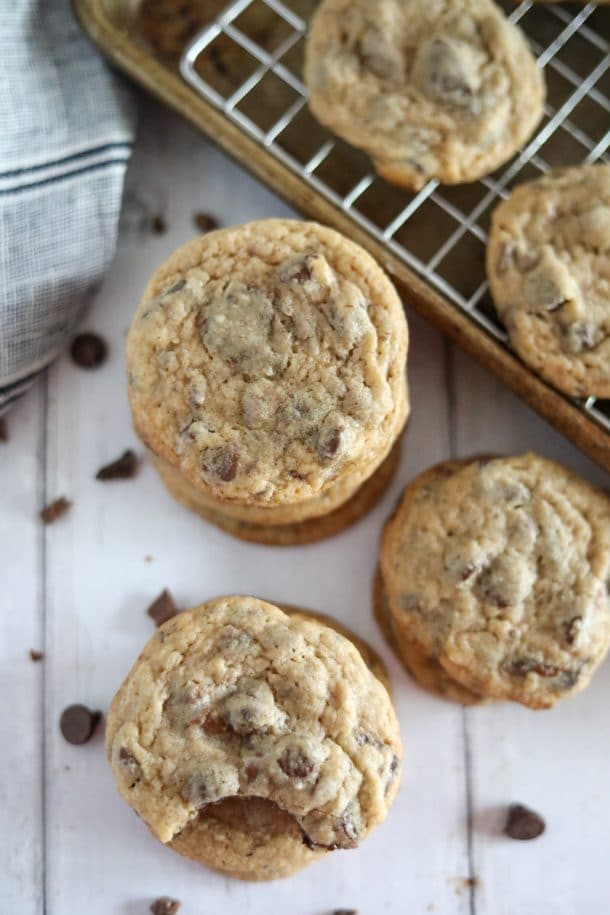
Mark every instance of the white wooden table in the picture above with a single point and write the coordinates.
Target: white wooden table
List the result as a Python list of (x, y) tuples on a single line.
[(78, 590)]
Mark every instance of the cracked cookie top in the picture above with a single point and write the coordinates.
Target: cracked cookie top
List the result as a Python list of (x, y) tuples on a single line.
[(549, 269), (236, 699), (268, 360), (500, 569), (442, 89)]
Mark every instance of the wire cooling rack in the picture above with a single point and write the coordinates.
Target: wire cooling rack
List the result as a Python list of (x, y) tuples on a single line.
[(248, 63)]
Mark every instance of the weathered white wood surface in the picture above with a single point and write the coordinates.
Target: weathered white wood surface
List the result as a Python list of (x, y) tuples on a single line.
[(68, 845)]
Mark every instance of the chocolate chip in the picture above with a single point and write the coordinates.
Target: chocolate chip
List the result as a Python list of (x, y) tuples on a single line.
[(129, 761), (295, 270), (36, 655), (295, 764), (214, 725), (345, 912), (78, 723), (158, 225), (89, 351), (163, 608), (3, 431), (124, 468), (521, 667), (251, 772), (523, 823), (205, 222), (329, 443), (55, 510), (571, 629), (165, 906), (175, 287), (222, 463)]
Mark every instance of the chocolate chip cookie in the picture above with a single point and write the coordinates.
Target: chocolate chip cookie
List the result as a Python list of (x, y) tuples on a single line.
[(548, 263), (429, 88), (267, 372), (254, 741), (499, 570)]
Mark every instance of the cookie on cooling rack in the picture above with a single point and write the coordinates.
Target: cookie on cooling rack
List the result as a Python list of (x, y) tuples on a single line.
[(430, 90), (267, 376), (548, 262), (254, 741), (497, 571)]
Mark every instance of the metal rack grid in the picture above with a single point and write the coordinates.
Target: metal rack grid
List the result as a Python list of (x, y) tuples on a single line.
[(439, 232)]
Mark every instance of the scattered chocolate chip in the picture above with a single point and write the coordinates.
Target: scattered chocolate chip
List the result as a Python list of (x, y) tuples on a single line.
[(165, 906), (55, 510), (345, 912), (524, 666), (124, 468), (523, 823), (36, 655), (89, 350), (295, 764), (163, 608), (205, 222), (78, 723), (158, 225), (222, 463), (3, 432)]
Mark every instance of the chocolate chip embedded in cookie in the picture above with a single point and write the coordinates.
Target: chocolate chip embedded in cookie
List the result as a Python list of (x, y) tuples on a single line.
[(547, 263), (430, 90), (254, 741), (498, 570), (267, 371)]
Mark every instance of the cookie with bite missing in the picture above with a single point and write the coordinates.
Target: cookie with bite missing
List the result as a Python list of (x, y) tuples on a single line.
[(266, 368), (548, 262), (499, 571), (252, 740), (429, 89)]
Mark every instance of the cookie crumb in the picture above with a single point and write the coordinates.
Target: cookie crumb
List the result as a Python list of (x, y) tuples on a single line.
[(78, 723), (55, 510), (158, 225), (89, 350), (523, 823), (36, 655), (3, 431), (205, 222), (124, 468), (163, 608), (165, 906)]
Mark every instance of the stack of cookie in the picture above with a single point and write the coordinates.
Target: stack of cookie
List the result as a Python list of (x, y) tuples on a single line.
[(494, 577), (253, 741), (267, 377)]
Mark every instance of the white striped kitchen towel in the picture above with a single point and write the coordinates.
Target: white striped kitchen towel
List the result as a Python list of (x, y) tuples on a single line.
[(66, 129)]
